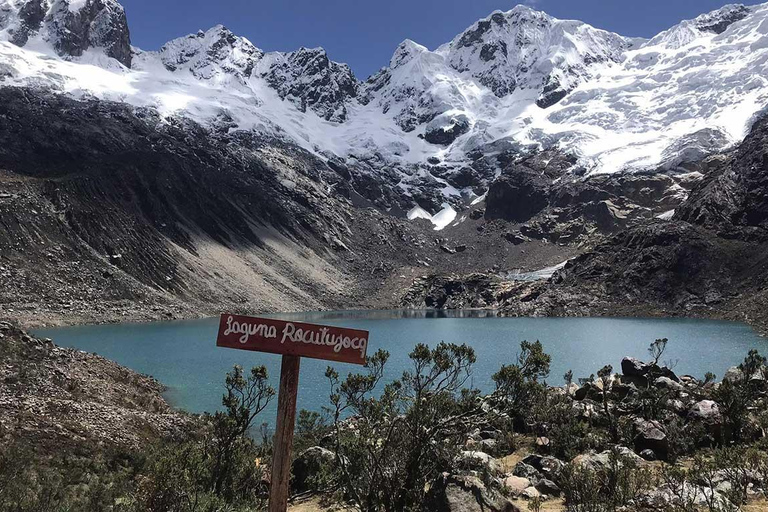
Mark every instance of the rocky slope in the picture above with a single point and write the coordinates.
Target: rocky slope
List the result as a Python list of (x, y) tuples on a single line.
[(709, 259), (109, 212), (64, 400)]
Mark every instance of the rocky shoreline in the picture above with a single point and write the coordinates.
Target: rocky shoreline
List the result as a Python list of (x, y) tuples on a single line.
[(65, 399)]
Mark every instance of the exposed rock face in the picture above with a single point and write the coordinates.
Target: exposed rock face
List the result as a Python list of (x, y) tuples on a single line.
[(309, 79), (72, 26), (735, 196), (130, 206), (517, 195), (444, 130), (718, 21), (709, 259), (31, 15), (446, 292), (543, 191)]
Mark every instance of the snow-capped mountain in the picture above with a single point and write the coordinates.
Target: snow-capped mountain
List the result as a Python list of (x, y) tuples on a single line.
[(427, 129), (70, 27)]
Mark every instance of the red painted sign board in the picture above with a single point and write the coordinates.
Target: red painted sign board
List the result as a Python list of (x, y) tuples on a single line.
[(292, 338)]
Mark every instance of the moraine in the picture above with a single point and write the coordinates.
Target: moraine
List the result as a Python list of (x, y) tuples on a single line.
[(184, 357)]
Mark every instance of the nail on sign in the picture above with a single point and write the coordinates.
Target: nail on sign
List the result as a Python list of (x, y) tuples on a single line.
[(292, 338)]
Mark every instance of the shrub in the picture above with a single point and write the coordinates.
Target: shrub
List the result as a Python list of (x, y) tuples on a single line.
[(519, 384), (394, 445), (620, 483)]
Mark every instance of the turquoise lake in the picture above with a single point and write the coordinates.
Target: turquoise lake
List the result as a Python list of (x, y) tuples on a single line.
[(183, 355)]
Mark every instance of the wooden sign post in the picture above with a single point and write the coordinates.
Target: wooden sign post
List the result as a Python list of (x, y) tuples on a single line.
[(293, 340)]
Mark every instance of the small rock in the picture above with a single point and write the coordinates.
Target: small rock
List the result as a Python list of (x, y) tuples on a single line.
[(548, 487), (516, 484), (530, 493)]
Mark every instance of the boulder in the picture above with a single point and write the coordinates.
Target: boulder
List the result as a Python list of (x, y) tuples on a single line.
[(601, 461), (733, 374), (638, 370), (528, 472), (548, 466), (309, 465), (531, 493), (586, 409), (548, 487), (649, 435), (486, 445), (668, 384), (707, 411), (620, 391), (455, 493), (516, 484), (589, 390), (476, 460), (515, 237), (632, 367)]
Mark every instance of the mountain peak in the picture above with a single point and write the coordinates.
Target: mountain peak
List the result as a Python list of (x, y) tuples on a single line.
[(719, 20), (528, 49), (216, 52), (70, 26), (405, 52), (310, 80), (715, 22)]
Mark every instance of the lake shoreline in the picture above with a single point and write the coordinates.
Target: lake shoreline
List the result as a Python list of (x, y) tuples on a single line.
[(184, 357), (147, 315)]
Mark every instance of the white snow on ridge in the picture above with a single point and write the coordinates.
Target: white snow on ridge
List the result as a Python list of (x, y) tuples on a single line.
[(627, 104)]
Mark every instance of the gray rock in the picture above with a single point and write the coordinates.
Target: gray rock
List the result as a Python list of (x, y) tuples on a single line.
[(454, 493), (516, 484), (733, 374), (527, 471), (478, 460), (707, 411), (649, 435), (601, 461), (531, 492), (310, 464), (548, 487), (667, 383)]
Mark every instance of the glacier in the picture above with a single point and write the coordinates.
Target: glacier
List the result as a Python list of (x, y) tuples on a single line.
[(516, 81)]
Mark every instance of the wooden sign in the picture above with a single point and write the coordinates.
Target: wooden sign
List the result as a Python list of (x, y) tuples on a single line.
[(293, 340)]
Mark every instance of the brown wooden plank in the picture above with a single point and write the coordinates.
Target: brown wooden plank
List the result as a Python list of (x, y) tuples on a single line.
[(292, 338), (286, 418)]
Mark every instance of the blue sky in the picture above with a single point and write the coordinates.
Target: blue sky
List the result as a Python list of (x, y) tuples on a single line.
[(364, 33)]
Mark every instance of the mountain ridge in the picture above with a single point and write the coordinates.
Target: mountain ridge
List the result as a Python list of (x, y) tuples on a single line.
[(514, 83)]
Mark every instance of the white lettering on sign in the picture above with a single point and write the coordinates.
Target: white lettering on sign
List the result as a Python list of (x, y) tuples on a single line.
[(296, 335), (247, 330), (322, 337)]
